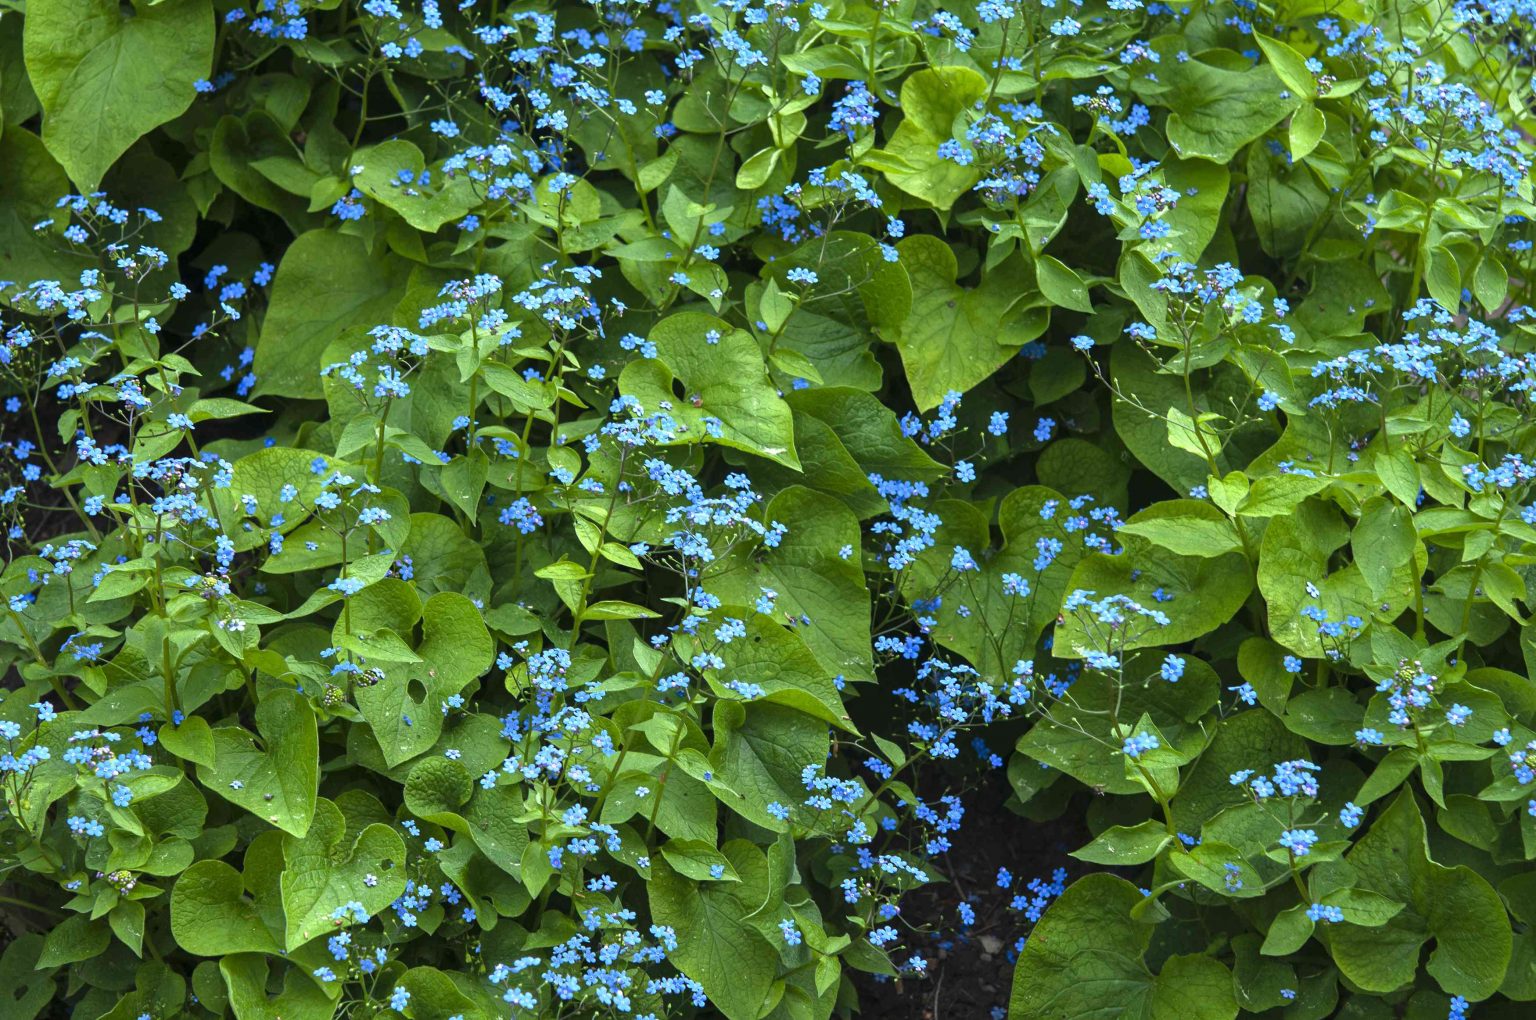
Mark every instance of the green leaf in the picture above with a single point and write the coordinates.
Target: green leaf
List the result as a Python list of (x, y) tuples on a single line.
[(1259, 981), (1121, 844), (1240, 740), (955, 337), (1084, 959), (1442, 276), (72, 940), (275, 778), (1077, 735), (211, 916), (1288, 932), (302, 998), (435, 790), (1135, 374), (1388, 775), (1294, 560), (760, 751), (1363, 907), (493, 826), (869, 433), (1216, 110), (435, 996), (24, 992), (698, 860), (615, 609), (756, 169), (775, 658), (1208, 863), (405, 708), (463, 481), (262, 476), (329, 868), (191, 741), (1186, 527), (31, 181), (1205, 591), (1289, 65), (1307, 127), (1060, 285), (1490, 282), (1193, 987), (811, 578), (1383, 542), (1454, 906), (326, 282), (106, 75), (1283, 195), (977, 618), (931, 100), (1399, 472), (426, 208), (1279, 495), (724, 380), (718, 945), (127, 921), (1328, 715)]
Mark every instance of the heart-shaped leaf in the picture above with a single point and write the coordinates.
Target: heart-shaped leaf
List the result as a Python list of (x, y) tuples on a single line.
[(211, 916), (330, 868), (405, 708), (274, 778)]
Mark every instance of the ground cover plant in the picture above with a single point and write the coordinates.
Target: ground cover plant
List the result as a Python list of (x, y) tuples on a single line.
[(609, 509)]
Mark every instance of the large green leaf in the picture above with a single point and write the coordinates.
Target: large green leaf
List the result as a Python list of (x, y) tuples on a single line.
[(1240, 741), (425, 208), (211, 916), (1454, 906), (955, 337), (843, 436), (721, 371), (760, 751), (1294, 561), (1285, 201), (811, 577), (718, 944), (302, 998), (107, 74), (75, 938), (330, 867), (326, 282), (1079, 735), (275, 778), (1217, 109), (26, 991), (1141, 421), (435, 996), (263, 476), (1083, 961), (405, 708), (31, 181), (776, 659), (870, 430), (931, 101), (1197, 592), (977, 618)]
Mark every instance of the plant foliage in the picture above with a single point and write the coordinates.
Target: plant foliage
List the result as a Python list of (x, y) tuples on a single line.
[(542, 509)]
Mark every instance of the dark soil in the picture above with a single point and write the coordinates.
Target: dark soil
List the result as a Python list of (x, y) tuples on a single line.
[(970, 973)]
